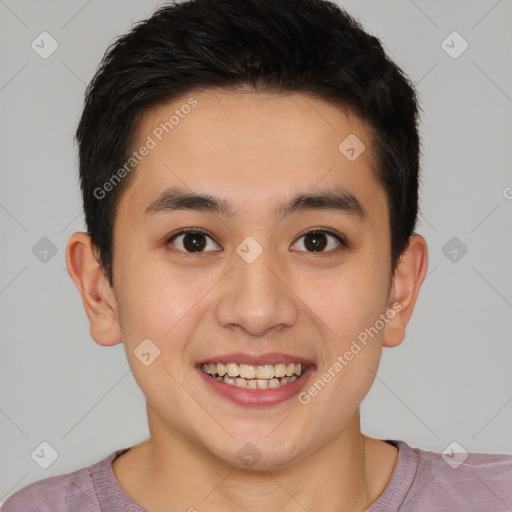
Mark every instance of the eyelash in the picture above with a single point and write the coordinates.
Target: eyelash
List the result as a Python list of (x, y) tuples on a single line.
[(340, 238)]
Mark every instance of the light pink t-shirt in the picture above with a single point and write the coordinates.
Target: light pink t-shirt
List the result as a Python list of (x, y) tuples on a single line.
[(422, 481)]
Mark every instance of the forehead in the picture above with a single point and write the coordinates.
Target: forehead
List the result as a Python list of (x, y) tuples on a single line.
[(255, 147)]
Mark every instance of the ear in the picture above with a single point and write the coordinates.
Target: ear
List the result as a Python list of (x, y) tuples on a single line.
[(405, 286), (97, 295)]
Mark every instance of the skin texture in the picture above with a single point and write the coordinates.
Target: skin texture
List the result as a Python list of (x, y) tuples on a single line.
[(255, 150)]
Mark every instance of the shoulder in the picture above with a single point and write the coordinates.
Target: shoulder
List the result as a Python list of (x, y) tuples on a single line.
[(48, 495), (71, 492), (457, 480)]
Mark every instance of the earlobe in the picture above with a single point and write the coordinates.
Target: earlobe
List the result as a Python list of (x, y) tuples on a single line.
[(407, 280), (97, 295)]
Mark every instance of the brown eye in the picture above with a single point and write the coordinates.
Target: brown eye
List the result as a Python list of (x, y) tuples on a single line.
[(317, 241), (192, 241)]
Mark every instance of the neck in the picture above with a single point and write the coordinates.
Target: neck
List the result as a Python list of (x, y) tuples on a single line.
[(344, 475)]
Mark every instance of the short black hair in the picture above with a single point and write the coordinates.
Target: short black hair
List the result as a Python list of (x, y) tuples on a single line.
[(303, 46)]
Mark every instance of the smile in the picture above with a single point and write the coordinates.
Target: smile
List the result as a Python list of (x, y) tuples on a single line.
[(266, 376)]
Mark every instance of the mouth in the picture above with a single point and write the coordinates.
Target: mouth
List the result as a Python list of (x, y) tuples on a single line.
[(255, 380), (265, 376)]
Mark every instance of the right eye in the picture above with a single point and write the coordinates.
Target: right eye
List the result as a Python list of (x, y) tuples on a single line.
[(191, 241)]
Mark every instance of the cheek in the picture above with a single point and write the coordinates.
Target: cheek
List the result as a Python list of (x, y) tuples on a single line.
[(157, 318), (157, 303), (347, 301), (151, 300)]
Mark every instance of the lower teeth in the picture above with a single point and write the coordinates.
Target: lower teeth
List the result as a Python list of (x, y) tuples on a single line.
[(256, 383)]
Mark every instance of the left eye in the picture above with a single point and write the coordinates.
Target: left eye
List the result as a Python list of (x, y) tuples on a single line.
[(317, 241)]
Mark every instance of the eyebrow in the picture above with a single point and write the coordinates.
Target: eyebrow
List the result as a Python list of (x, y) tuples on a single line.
[(333, 199)]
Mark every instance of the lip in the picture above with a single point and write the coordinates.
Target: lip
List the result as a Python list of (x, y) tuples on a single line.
[(253, 360), (256, 397)]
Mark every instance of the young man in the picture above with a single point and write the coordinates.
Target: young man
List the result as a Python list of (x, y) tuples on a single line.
[(249, 173)]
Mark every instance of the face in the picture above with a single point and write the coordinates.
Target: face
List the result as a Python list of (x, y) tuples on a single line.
[(253, 282)]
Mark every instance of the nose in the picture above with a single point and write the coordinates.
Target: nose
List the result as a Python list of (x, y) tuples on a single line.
[(256, 298)]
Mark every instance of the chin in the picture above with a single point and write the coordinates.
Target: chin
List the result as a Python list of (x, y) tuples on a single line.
[(261, 452)]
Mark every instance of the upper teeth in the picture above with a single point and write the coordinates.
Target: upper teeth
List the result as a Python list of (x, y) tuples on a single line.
[(266, 371)]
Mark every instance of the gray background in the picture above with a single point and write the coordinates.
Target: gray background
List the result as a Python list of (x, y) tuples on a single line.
[(449, 381)]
